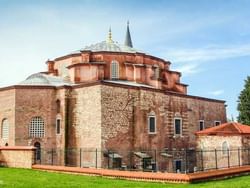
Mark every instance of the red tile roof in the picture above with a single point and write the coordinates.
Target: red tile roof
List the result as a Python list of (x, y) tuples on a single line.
[(230, 128)]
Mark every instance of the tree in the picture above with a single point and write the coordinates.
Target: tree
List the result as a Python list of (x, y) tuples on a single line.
[(244, 103)]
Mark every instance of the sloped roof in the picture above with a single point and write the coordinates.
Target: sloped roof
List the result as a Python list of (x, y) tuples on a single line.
[(40, 79), (230, 128)]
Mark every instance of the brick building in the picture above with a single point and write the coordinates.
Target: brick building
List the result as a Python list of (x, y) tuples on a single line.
[(224, 146), (106, 96)]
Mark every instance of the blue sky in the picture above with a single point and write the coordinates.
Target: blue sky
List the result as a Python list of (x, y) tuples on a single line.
[(208, 41)]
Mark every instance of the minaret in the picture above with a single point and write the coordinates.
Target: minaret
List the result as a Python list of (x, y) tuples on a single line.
[(109, 39), (128, 41)]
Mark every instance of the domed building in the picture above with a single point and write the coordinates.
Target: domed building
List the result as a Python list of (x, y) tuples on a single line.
[(106, 97)]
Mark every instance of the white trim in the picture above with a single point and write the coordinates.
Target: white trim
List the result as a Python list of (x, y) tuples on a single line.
[(178, 118), (150, 116), (216, 121), (203, 125)]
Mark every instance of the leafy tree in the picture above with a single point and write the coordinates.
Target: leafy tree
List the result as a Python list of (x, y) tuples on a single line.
[(244, 103)]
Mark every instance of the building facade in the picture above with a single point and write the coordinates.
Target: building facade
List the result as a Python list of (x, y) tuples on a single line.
[(106, 96), (224, 146)]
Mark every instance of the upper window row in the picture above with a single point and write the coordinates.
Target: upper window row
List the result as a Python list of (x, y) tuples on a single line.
[(177, 125), (114, 71)]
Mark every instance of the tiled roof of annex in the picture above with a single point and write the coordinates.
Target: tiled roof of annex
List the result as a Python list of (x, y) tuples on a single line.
[(231, 128)]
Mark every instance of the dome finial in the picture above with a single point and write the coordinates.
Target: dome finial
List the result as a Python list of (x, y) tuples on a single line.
[(128, 40), (110, 40)]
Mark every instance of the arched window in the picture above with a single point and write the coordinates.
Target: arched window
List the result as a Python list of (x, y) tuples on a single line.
[(225, 148), (5, 129), (36, 127), (114, 70), (58, 106)]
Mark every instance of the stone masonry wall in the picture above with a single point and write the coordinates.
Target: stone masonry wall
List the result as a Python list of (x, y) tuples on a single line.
[(85, 124), (209, 143), (17, 157), (125, 113)]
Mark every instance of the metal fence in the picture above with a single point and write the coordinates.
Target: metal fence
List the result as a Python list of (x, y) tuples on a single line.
[(177, 161)]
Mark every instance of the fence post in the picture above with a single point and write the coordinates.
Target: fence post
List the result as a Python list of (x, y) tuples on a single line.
[(52, 159), (248, 156), (130, 160), (202, 166), (108, 159), (96, 158), (155, 161), (80, 157), (41, 156), (216, 162), (239, 155), (186, 165), (228, 159)]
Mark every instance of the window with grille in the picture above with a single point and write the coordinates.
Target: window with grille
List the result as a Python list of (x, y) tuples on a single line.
[(5, 129), (36, 129), (114, 70)]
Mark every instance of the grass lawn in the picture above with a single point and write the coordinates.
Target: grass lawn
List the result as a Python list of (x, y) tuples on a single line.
[(10, 177)]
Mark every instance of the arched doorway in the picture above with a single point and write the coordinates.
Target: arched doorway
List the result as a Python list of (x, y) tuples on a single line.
[(38, 151)]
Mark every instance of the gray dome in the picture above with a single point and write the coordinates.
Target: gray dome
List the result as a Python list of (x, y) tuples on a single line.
[(40, 79), (109, 47)]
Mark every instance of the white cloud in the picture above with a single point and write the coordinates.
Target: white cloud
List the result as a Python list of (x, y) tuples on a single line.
[(188, 69), (188, 61), (216, 92), (210, 53)]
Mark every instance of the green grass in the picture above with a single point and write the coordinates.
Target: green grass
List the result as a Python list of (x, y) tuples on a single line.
[(10, 177)]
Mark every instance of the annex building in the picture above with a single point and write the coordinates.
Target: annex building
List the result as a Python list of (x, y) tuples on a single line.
[(108, 97)]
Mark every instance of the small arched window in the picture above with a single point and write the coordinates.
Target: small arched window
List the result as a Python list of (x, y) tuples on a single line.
[(58, 106), (36, 127), (5, 129), (114, 70), (225, 148)]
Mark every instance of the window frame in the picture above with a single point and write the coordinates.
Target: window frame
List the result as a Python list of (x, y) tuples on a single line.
[(203, 122), (178, 118), (152, 116), (58, 119), (216, 121)]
